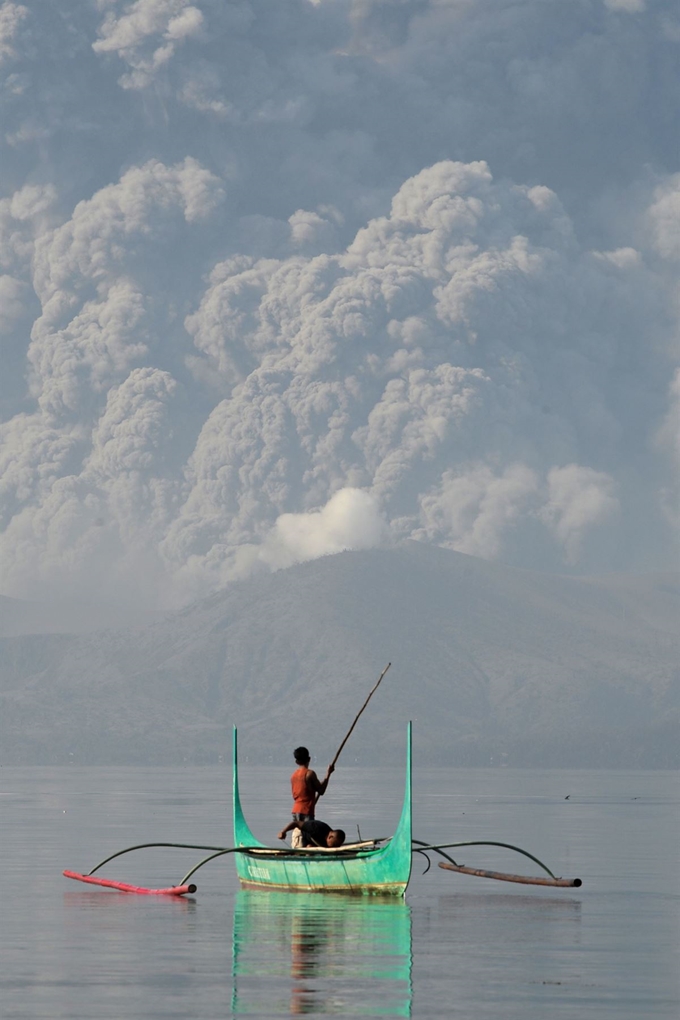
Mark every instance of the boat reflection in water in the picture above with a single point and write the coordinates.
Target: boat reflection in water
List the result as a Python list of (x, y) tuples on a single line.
[(297, 953)]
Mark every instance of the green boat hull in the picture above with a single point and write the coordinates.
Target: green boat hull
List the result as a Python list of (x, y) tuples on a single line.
[(367, 871)]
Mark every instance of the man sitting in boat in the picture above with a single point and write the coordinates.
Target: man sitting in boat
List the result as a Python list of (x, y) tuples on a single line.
[(306, 788), (315, 833)]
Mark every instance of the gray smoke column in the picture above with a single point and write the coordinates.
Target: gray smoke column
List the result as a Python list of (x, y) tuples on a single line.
[(282, 280)]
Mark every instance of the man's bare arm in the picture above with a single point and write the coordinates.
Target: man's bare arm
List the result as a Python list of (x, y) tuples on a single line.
[(319, 787)]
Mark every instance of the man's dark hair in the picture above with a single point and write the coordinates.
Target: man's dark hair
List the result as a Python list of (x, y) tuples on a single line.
[(341, 834), (301, 755)]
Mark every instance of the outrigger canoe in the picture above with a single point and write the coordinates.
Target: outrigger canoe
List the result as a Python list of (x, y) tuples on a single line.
[(361, 868), (369, 868)]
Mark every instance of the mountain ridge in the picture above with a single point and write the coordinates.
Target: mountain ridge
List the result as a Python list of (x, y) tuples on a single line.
[(488, 660)]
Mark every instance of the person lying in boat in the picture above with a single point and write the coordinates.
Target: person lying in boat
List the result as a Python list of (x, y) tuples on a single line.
[(306, 787), (315, 833)]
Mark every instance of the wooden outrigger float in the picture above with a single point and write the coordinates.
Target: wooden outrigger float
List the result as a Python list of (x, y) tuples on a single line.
[(363, 868)]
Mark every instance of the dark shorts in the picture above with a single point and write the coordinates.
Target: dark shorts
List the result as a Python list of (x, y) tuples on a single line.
[(300, 818)]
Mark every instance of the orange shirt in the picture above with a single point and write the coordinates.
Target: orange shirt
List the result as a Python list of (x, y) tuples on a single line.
[(304, 797)]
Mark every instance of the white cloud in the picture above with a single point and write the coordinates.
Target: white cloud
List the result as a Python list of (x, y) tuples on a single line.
[(95, 348), (146, 36), (349, 520), (93, 241), (628, 6), (664, 217), (96, 319), (412, 364), (314, 231), (473, 510), (135, 425), (668, 440), (12, 293), (12, 17), (94, 504), (23, 216), (442, 366), (313, 248), (33, 456), (579, 498), (622, 258)]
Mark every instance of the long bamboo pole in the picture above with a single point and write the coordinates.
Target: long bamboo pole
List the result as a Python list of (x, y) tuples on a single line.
[(356, 720), (349, 732), (502, 876)]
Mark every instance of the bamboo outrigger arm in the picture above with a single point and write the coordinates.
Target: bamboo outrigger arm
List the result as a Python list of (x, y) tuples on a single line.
[(144, 846), (220, 853)]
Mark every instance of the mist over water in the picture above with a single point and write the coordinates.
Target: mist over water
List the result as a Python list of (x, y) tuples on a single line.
[(457, 946)]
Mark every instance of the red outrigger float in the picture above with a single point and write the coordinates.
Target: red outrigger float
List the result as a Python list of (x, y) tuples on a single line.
[(173, 890)]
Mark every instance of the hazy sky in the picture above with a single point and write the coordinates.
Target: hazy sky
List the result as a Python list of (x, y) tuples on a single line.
[(279, 278)]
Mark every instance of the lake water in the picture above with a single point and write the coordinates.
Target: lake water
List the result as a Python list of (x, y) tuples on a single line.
[(457, 946)]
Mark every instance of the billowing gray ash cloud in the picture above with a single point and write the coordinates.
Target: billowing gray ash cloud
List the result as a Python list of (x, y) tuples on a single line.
[(283, 278)]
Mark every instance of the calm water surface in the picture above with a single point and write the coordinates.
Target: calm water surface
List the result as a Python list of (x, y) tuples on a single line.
[(457, 946)]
